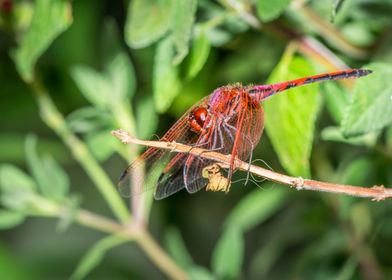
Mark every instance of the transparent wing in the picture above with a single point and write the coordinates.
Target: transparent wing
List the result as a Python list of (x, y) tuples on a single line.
[(144, 172)]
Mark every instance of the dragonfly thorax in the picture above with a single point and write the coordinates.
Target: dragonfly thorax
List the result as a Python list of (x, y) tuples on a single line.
[(197, 118)]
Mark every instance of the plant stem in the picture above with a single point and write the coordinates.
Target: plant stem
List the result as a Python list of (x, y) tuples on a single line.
[(54, 119), (159, 257), (130, 232), (377, 193), (328, 31)]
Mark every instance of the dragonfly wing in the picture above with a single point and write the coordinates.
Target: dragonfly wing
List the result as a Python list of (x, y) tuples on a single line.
[(171, 179), (215, 139), (237, 134), (144, 172)]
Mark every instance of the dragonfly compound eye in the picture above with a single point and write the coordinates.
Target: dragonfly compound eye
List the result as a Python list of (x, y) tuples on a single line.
[(197, 118)]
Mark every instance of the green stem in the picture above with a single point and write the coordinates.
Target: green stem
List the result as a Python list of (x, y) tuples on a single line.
[(159, 256), (330, 33), (133, 232), (54, 119)]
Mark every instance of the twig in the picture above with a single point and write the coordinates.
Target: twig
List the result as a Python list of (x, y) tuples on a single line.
[(136, 233), (377, 193), (329, 31), (133, 232)]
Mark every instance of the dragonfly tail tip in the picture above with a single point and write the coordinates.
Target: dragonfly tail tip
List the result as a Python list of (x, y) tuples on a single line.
[(122, 177), (365, 72)]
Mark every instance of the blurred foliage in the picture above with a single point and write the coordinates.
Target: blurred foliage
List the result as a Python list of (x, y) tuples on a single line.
[(111, 64)]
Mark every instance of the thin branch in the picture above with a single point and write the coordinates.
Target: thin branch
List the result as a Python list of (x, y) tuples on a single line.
[(133, 232), (377, 193), (138, 234), (330, 33)]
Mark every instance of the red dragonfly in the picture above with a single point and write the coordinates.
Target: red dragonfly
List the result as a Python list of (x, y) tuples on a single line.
[(228, 121)]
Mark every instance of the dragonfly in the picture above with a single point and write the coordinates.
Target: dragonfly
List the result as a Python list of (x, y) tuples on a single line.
[(230, 121)]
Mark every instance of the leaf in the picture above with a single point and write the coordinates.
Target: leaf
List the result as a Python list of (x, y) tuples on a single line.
[(336, 100), (50, 19), (371, 106), (147, 21), (166, 83), (200, 273), (94, 87), (87, 119), (183, 18), (334, 133), (106, 90), (359, 171), (10, 219), (102, 144), (95, 254), (336, 5), (199, 54), (255, 208), (52, 181), (121, 75), (361, 220), (270, 10), (228, 254), (177, 249), (17, 188), (290, 116), (146, 117), (13, 179), (348, 269)]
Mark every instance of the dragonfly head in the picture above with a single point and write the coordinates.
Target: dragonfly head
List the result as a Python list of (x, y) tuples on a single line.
[(197, 118)]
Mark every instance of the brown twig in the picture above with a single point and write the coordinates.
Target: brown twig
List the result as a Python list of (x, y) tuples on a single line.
[(377, 193)]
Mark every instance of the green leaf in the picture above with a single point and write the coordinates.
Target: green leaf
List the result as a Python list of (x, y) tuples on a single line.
[(95, 254), (12, 179), (200, 273), (334, 133), (147, 21), (335, 7), (166, 83), (87, 119), (347, 271), (290, 116), (371, 106), (358, 172), (146, 117), (121, 75), (199, 54), (228, 254), (52, 181), (94, 87), (102, 144), (10, 219), (50, 19), (183, 18), (17, 188), (177, 249), (361, 220), (106, 90), (256, 207), (270, 10), (336, 100)]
